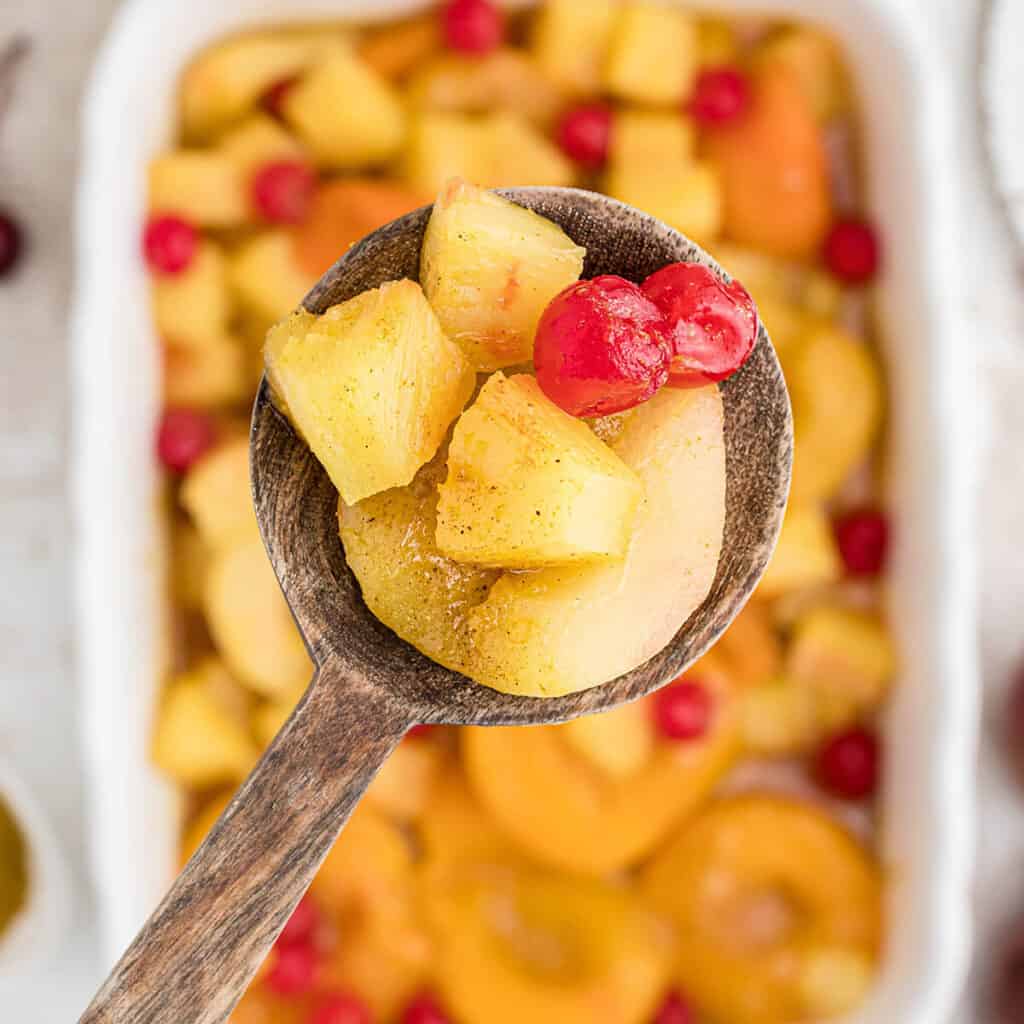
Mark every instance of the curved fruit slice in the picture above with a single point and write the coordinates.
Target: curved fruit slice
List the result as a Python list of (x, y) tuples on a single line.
[(774, 170), (373, 386), (549, 949), (831, 438), (564, 629), (407, 583), (344, 212), (550, 799), (250, 621), (489, 268), (760, 887), (529, 485)]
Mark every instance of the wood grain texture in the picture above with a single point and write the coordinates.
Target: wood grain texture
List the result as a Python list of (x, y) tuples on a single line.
[(194, 957)]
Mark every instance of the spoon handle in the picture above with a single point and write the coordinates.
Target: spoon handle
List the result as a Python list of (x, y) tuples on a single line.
[(194, 957)]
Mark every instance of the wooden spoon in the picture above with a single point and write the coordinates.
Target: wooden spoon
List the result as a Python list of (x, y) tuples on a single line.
[(194, 957)]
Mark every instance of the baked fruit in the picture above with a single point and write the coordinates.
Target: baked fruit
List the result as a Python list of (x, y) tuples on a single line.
[(530, 486), (372, 385), (489, 268)]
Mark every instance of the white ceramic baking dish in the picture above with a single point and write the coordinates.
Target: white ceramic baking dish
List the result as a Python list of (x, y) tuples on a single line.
[(928, 812)]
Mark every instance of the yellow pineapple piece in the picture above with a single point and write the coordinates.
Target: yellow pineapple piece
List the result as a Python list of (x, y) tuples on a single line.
[(196, 740), (653, 55), (489, 269), (845, 658), (815, 61), (210, 371), (831, 438), (778, 718), (190, 558), (564, 629), (806, 555), (346, 114), (645, 138), (216, 494), (442, 146), (373, 385), (503, 80), (260, 140), (194, 304), (203, 186), (402, 788), (226, 81), (250, 622), (267, 279), (716, 42), (571, 40), (520, 154), (529, 485), (619, 742), (689, 201), (406, 582)]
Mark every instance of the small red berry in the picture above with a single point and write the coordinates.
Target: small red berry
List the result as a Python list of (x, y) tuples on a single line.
[(10, 243), (420, 732), (302, 925), (473, 26), (863, 541), (293, 971), (720, 95), (585, 134), (424, 1009), (169, 244), (272, 100), (852, 252), (675, 1010), (683, 710), (282, 191), (183, 437), (712, 326), (341, 1008), (847, 764), (601, 348)]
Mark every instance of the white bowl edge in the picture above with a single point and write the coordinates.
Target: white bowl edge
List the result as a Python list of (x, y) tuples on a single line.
[(929, 802)]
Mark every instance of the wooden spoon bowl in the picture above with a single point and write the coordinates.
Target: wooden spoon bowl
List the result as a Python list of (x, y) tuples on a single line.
[(194, 957)]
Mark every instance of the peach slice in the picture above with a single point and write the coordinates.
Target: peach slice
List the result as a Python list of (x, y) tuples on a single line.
[(758, 887), (591, 821), (774, 170)]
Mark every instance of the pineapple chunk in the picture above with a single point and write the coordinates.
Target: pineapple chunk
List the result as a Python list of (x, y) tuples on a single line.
[(529, 485), (407, 583), (346, 114), (227, 81), (216, 495), (489, 269), (266, 277), (194, 304), (618, 743), (805, 556), (845, 658), (503, 80), (831, 438), (260, 140), (571, 40), (189, 569), (373, 385), (653, 58), (519, 154), (778, 718), (442, 146), (565, 629), (688, 198), (642, 139), (196, 741), (207, 372), (250, 622), (717, 42), (202, 186)]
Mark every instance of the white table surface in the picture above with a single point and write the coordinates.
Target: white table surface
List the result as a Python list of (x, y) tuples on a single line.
[(38, 142)]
